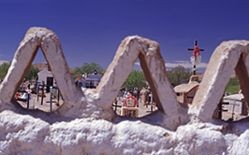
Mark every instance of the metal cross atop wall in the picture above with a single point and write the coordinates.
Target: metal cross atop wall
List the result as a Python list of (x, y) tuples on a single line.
[(196, 56)]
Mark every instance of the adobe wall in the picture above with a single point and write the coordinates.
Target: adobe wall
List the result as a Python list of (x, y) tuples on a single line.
[(84, 124)]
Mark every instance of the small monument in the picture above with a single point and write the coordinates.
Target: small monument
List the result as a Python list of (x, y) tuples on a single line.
[(130, 106), (185, 92)]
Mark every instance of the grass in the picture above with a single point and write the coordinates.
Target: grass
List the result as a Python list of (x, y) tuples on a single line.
[(233, 86), (232, 89)]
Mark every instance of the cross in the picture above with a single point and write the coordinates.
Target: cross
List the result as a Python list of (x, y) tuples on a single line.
[(196, 52), (115, 105)]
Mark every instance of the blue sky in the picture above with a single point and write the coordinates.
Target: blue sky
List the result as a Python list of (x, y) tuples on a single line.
[(91, 30)]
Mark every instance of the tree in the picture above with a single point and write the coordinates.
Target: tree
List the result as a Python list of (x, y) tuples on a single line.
[(179, 75), (3, 70), (31, 73), (88, 68), (135, 79)]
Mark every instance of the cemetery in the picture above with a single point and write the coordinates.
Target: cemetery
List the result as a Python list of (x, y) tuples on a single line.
[(100, 121), (41, 94)]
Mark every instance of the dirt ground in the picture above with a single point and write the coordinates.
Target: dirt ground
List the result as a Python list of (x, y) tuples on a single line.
[(36, 103)]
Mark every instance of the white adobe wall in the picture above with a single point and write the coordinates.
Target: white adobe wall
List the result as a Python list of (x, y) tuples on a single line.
[(24, 134), (85, 125), (96, 103)]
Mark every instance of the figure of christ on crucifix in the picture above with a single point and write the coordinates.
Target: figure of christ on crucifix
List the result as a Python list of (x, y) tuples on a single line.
[(196, 56)]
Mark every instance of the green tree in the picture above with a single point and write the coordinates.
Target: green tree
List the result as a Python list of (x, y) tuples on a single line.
[(179, 75), (3, 70), (31, 73), (88, 68), (135, 79)]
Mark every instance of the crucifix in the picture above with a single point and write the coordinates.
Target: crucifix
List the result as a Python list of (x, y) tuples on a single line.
[(196, 56)]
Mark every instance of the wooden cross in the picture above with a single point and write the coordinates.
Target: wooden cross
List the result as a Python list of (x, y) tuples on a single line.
[(196, 52)]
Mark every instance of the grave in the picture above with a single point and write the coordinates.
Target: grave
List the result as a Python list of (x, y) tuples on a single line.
[(84, 124)]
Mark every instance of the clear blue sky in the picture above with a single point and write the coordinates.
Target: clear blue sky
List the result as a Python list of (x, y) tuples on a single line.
[(91, 30)]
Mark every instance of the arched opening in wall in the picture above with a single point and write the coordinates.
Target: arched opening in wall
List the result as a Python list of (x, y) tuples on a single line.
[(233, 105), (135, 98), (38, 89)]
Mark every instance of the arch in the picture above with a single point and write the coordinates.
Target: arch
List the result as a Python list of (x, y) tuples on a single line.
[(49, 43), (152, 63), (227, 57), (96, 103)]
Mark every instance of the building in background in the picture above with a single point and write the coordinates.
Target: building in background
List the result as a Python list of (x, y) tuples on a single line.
[(45, 76)]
